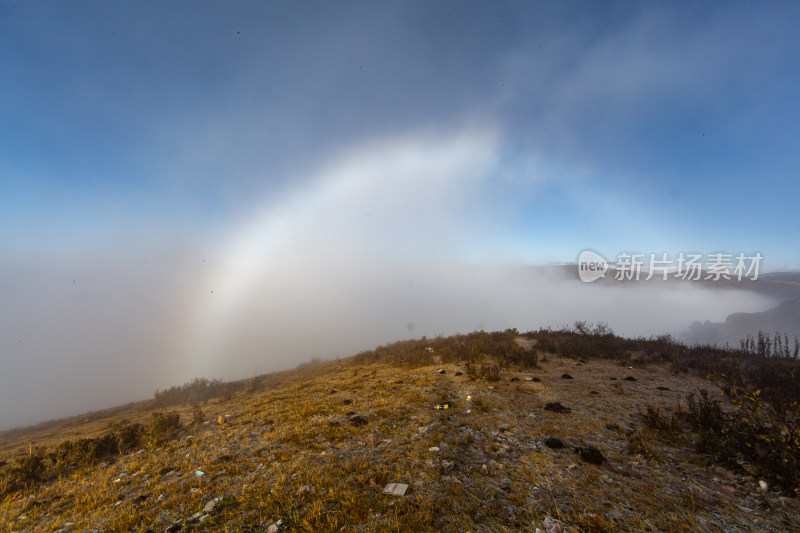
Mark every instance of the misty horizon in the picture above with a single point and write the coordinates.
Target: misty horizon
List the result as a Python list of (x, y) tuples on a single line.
[(189, 190)]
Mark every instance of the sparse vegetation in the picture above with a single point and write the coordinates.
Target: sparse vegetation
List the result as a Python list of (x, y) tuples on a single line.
[(315, 447)]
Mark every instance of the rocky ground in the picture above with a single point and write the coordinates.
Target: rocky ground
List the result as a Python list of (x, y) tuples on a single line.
[(346, 447)]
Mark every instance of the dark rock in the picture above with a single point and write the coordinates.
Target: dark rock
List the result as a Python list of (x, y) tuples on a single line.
[(333, 391), (347, 401), (441, 371), (459, 374), (662, 388), (349, 413), (175, 527), (359, 420), (593, 392), (536, 380), (554, 443), (613, 379), (630, 378), (556, 407), (591, 455), (566, 376), (514, 379)]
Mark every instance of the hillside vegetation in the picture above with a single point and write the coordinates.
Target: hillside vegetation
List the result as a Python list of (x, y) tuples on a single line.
[(558, 430)]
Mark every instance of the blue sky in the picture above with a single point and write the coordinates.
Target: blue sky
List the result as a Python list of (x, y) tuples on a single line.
[(141, 141)]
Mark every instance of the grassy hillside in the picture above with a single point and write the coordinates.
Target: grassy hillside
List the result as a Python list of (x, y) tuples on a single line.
[(639, 437)]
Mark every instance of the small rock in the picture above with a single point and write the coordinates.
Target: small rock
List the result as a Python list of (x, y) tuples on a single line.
[(347, 401), (349, 413), (556, 407), (199, 473), (395, 489), (433, 449), (762, 485), (630, 378), (459, 373), (551, 526), (591, 455), (553, 442), (273, 528), (209, 507), (493, 467), (358, 420), (305, 489), (535, 380), (441, 371), (663, 388), (566, 376), (594, 392), (515, 379), (175, 527)]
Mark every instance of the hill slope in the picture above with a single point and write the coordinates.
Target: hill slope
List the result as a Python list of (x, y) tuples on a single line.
[(316, 448)]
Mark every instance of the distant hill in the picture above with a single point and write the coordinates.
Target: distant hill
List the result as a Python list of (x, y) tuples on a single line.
[(784, 318)]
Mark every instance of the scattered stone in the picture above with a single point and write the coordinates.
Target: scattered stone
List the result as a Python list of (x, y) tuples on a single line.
[(441, 371), (199, 473), (615, 515), (395, 489), (459, 373), (613, 379), (174, 527), (591, 455), (630, 378), (556, 407), (493, 467), (566, 376), (333, 391), (358, 420), (612, 427), (762, 485), (347, 401), (349, 413), (194, 518), (593, 392), (515, 379), (535, 379), (551, 526), (553, 442), (209, 507), (273, 528), (663, 388), (433, 449)]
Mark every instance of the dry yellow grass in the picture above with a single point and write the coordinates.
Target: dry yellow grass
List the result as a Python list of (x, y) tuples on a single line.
[(290, 453)]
